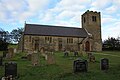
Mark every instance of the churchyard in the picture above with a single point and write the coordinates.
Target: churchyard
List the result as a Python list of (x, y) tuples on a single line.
[(58, 66)]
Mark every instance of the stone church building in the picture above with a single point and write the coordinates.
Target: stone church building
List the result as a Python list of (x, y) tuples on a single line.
[(57, 38)]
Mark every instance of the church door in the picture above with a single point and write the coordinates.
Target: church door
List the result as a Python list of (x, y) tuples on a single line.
[(87, 46), (60, 44), (36, 45)]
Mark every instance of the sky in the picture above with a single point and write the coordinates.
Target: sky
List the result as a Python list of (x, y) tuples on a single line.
[(14, 14)]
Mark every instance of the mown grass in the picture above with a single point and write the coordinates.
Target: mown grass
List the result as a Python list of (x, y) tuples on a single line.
[(63, 69)]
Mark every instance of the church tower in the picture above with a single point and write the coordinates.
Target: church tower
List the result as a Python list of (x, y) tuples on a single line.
[(91, 21)]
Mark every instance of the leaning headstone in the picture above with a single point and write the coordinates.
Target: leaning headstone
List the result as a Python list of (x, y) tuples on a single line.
[(50, 58), (104, 64), (75, 53), (92, 58), (10, 69), (80, 66), (35, 59), (1, 61)]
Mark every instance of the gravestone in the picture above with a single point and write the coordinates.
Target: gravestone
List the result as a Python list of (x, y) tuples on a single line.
[(50, 58), (1, 61), (66, 53), (29, 56), (89, 54), (10, 52), (15, 50), (104, 64), (75, 53), (35, 59), (10, 69), (80, 66), (92, 58)]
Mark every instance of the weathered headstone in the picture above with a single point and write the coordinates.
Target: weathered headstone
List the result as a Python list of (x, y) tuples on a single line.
[(35, 59), (29, 56), (92, 58), (104, 64), (10, 69), (75, 53), (10, 52), (1, 61), (15, 50), (66, 53), (80, 66), (50, 58)]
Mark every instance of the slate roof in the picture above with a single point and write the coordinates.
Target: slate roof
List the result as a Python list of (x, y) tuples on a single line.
[(49, 30)]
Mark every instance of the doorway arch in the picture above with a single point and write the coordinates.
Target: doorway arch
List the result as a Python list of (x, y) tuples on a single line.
[(87, 46)]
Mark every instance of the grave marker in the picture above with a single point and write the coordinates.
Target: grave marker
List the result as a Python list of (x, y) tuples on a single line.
[(29, 57), (66, 53), (80, 66), (10, 69), (92, 58), (35, 59), (75, 53), (15, 50), (10, 52), (104, 64), (50, 58)]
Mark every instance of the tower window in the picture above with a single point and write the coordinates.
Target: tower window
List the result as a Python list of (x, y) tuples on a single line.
[(94, 18)]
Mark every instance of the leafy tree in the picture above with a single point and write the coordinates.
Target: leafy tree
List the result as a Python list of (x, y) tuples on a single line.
[(112, 44), (16, 34)]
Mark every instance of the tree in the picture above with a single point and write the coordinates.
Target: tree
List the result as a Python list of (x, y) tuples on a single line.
[(3, 39), (16, 34), (112, 43)]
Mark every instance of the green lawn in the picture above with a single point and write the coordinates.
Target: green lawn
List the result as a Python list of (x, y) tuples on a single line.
[(63, 69)]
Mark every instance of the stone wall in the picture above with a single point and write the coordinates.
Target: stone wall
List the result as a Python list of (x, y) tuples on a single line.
[(54, 45)]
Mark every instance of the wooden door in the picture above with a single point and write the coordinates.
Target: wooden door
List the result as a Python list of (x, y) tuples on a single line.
[(87, 46)]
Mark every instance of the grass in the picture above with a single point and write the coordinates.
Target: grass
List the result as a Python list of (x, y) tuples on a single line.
[(63, 69)]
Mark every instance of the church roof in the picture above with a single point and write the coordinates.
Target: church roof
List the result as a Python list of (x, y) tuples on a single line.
[(47, 30)]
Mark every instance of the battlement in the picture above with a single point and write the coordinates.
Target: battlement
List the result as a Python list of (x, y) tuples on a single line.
[(95, 12)]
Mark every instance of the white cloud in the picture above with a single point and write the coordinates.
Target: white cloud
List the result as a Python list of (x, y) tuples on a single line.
[(111, 9), (35, 5), (100, 4), (18, 10)]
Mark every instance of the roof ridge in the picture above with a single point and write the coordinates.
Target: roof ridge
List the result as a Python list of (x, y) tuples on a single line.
[(54, 26)]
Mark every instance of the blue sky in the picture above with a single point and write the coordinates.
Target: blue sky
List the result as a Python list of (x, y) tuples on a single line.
[(14, 13)]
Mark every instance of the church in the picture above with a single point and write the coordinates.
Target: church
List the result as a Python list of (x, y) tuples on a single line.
[(58, 38)]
